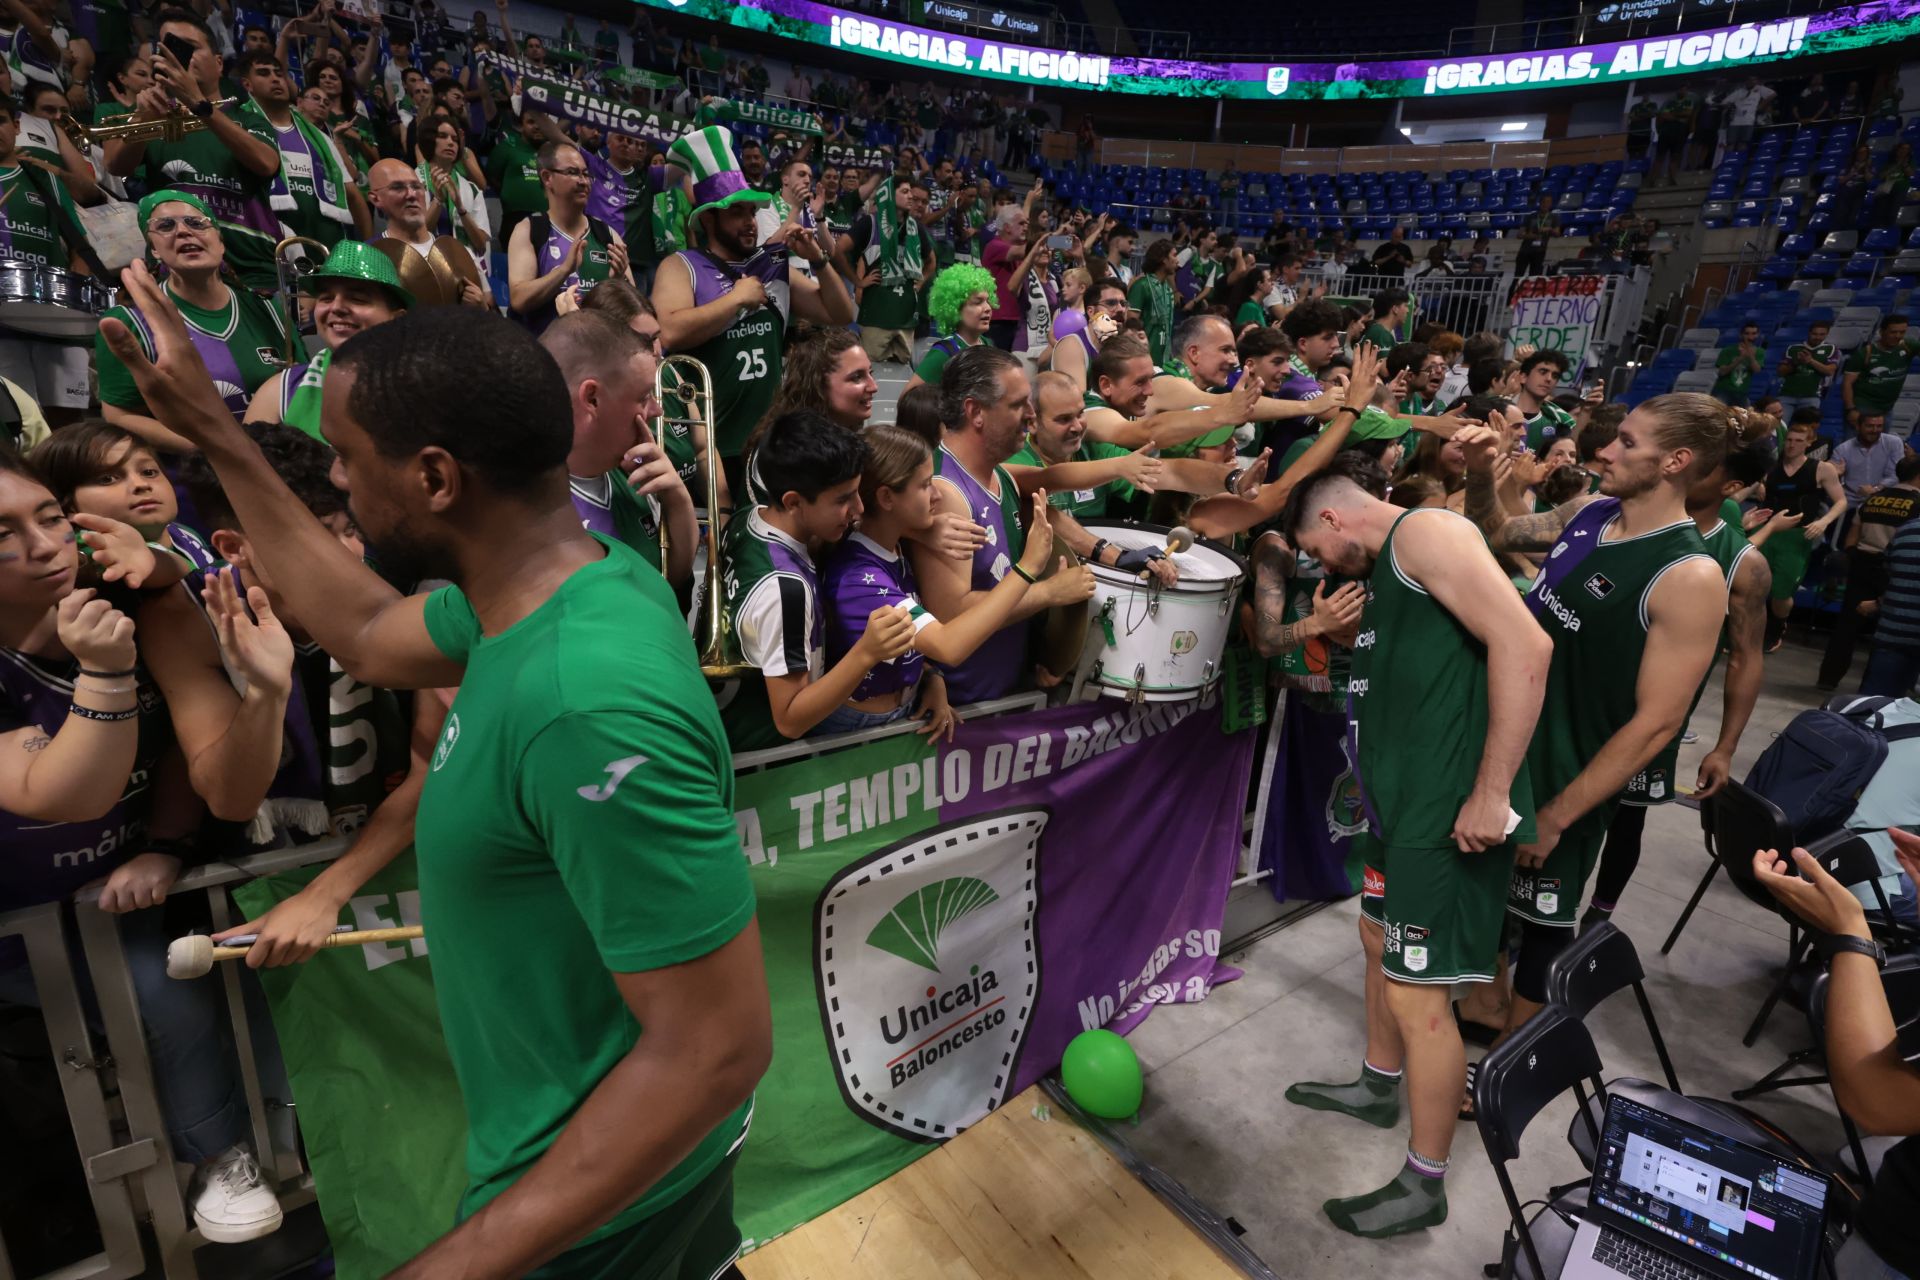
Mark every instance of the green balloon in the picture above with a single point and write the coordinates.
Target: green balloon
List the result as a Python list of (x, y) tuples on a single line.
[(1102, 1074)]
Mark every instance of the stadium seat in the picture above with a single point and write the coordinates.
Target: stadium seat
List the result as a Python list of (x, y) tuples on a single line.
[(1881, 240), (1696, 380), (1840, 241)]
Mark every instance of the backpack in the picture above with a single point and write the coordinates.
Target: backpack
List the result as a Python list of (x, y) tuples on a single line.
[(1821, 762)]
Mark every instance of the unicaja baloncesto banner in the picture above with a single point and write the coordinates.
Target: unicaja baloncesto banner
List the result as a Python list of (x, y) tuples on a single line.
[(938, 922), (1719, 49)]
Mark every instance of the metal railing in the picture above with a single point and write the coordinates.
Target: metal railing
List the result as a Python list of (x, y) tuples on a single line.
[(107, 1074)]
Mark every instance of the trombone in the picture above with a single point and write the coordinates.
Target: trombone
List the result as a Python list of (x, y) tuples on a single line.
[(692, 391), (289, 273)]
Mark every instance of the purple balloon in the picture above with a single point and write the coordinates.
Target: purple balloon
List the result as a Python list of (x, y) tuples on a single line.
[(1069, 322)]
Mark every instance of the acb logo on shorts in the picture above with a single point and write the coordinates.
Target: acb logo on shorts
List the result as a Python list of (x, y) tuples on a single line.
[(927, 969)]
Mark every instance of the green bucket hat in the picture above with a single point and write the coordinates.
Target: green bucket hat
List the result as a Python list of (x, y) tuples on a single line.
[(155, 199), (707, 154), (353, 260)]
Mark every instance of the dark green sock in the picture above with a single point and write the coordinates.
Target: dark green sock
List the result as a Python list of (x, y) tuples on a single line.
[(1413, 1201), (1374, 1097)]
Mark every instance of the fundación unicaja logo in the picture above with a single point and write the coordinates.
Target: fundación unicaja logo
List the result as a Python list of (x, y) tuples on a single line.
[(927, 972)]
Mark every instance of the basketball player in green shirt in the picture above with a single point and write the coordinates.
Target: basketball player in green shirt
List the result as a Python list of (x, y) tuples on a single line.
[(581, 792), (1447, 677), (1626, 574)]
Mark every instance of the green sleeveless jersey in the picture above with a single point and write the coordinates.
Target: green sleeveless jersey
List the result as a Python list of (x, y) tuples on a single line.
[(1591, 598), (1655, 783), (1416, 729), (746, 360)]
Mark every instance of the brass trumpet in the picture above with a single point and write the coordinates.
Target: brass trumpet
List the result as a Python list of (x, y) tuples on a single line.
[(172, 127), (692, 391)]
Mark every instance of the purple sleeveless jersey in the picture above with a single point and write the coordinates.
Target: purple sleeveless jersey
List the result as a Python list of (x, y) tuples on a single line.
[(996, 666)]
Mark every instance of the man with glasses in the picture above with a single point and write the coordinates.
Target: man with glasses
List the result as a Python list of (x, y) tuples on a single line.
[(402, 199), (563, 247), (1106, 316)]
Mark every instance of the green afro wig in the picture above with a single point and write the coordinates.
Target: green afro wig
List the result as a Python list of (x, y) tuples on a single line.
[(951, 289)]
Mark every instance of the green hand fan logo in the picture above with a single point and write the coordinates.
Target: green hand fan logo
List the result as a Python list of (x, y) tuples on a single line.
[(912, 929)]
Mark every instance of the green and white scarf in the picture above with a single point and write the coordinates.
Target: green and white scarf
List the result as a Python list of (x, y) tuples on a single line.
[(897, 246), (329, 182)]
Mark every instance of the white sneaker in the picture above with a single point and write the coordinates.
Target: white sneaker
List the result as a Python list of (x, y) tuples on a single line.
[(233, 1202)]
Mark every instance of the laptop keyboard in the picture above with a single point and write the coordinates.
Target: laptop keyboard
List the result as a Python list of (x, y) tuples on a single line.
[(1641, 1262)]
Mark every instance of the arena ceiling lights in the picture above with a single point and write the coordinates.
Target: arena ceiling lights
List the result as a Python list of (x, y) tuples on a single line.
[(1718, 49)]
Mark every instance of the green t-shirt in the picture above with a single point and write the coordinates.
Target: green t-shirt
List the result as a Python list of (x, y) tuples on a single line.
[(201, 164), (934, 363), (513, 171), (891, 306), (581, 793), (1251, 312), (1802, 380), (1735, 371), (1380, 336), (28, 228), (1550, 423), (1882, 370), (1152, 297), (249, 327), (1082, 504)]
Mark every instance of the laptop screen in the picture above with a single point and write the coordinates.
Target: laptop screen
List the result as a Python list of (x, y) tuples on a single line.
[(1733, 1208)]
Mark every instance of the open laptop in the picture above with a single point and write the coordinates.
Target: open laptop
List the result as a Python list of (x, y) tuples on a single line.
[(1670, 1200)]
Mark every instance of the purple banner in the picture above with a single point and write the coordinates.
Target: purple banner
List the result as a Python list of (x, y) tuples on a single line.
[(939, 921), (1309, 807)]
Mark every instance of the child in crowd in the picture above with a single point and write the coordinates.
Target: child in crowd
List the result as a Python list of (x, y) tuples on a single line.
[(810, 468), (868, 572), (99, 469)]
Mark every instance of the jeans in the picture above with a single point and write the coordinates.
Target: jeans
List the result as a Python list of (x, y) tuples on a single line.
[(1890, 671), (845, 719), (188, 1036)]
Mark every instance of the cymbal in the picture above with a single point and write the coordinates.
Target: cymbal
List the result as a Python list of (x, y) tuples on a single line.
[(417, 277), (450, 253), (1063, 633)]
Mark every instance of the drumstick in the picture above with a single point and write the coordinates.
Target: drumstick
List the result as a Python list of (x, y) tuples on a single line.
[(1179, 538), (195, 955)]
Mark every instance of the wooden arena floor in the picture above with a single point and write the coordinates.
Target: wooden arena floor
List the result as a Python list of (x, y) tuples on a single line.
[(1012, 1198)]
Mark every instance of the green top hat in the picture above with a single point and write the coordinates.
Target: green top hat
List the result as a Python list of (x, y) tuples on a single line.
[(707, 154), (353, 260)]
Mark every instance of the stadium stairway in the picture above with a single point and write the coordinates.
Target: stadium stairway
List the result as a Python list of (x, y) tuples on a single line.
[(1678, 209)]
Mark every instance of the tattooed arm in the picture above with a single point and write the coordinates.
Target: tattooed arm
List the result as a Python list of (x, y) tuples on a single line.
[(1746, 625), (1333, 616), (1527, 533)]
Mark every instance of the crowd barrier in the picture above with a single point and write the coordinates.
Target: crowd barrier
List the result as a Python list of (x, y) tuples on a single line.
[(1022, 767)]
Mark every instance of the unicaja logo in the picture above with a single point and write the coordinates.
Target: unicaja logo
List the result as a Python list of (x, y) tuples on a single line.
[(927, 972)]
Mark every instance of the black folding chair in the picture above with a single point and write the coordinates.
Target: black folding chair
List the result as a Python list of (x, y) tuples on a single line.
[(1600, 962), (1700, 891), (1548, 1056)]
